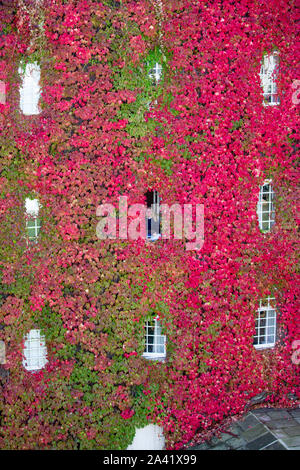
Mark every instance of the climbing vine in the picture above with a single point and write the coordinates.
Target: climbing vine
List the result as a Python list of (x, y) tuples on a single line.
[(201, 136)]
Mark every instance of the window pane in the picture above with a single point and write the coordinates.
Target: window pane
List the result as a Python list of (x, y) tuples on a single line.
[(154, 341), (35, 351), (155, 73), (262, 339), (30, 223), (265, 324), (31, 232), (30, 89), (271, 330)]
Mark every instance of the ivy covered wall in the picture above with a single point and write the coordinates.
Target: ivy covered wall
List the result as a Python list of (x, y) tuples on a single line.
[(200, 136)]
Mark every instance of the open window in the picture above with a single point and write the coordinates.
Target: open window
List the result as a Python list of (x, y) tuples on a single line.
[(33, 223), (155, 341), (153, 229), (268, 76), (265, 324), (30, 89), (35, 351)]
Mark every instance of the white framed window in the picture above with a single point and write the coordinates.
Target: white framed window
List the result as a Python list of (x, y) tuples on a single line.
[(268, 76), (2, 352), (35, 351), (2, 92), (153, 230), (265, 207), (33, 229), (30, 89), (155, 341), (155, 73), (265, 324), (33, 223)]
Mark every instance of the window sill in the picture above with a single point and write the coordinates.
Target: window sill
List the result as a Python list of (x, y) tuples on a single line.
[(266, 105), (154, 237), (264, 346), (33, 370), (154, 357)]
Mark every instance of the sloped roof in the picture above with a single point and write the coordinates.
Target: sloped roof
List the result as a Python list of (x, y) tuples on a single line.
[(260, 429)]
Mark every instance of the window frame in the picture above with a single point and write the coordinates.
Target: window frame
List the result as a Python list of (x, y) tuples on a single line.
[(2, 352), (155, 73), (266, 306), (157, 334), (271, 209), (2, 92), (30, 89), (155, 208), (268, 78), (32, 217), (34, 338), (36, 226)]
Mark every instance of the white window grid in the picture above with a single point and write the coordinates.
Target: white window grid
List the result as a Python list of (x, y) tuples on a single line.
[(33, 229), (153, 221), (35, 351), (30, 89), (155, 73), (268, 76), (265, 207), (265, 324), (155, 342), (33, 223)]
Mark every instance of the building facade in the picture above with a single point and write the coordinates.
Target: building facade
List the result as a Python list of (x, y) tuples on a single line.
[(109, 341)]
